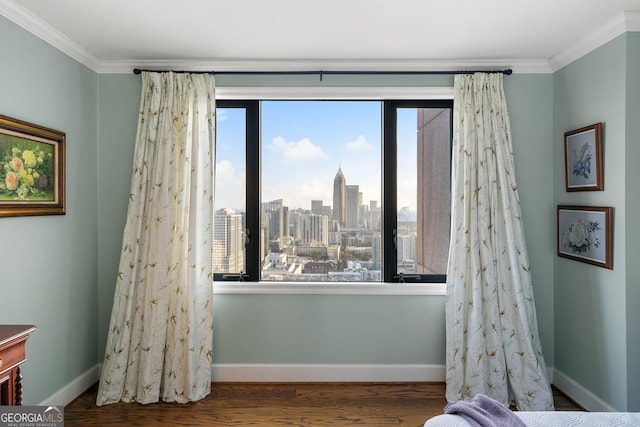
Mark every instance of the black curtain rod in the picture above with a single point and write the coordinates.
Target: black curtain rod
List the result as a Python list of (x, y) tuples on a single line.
[(321, 73)]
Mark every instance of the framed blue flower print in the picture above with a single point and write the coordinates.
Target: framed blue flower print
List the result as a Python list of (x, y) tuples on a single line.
[(583, 159)]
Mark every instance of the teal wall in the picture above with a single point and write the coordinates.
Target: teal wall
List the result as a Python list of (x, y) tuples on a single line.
[(336, 329), (528, 98), (632, 200), (58, 272), (590, 302), (329, 329), (49, 264), (118, 106)]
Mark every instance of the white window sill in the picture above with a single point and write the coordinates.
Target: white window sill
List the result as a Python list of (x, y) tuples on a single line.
[(322, 288)]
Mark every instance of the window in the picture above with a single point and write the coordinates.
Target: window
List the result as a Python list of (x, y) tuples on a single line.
[(332, 191), (230, 189)]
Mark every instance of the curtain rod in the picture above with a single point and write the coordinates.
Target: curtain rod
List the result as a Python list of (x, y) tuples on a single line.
[(322, 73)]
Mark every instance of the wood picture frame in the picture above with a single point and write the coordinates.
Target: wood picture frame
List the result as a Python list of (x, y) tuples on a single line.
[(32, 169), (585, 233), (583, 169)]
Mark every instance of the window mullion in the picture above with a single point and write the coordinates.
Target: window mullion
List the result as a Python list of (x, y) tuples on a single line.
[(389, 193), (252, 228)]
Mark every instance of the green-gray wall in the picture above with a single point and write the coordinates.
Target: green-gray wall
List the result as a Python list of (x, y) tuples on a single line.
[(59, 272), (632, 200), (339, 329), (596, 320), (49, 264)]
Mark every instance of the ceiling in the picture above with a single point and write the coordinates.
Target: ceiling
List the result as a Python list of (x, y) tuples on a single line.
[(108, 35)]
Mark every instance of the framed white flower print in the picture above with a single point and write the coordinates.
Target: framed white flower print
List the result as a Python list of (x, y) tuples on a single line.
[(583, 169), (585, 234)]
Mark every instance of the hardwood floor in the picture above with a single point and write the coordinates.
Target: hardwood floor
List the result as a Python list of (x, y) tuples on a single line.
[(282, 404)]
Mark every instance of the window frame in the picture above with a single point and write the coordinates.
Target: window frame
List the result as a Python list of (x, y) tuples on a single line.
[(391, 97), (252, 174), (389, 196)]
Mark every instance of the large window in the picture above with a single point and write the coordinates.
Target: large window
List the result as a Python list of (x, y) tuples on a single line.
[(332, 191)]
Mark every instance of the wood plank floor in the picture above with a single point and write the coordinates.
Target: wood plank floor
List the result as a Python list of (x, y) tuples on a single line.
[(282, 404)]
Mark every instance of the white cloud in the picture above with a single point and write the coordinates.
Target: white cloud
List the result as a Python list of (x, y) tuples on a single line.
[(225, 170), (359, 144), (302, 150), (230, 186), (407, 191), (222, 114), (371, 187), (297, 194), (316, 190)]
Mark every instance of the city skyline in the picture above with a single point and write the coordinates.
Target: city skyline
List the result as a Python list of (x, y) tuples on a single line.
[(304, 144)]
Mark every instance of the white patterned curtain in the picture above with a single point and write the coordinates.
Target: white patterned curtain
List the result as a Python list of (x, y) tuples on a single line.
[(493, 347), (159, 345)]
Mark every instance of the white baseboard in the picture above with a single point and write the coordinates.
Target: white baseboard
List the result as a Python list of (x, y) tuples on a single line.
[(260, 372), (580, 394), (240, 372), (74, 389), (232, 372)]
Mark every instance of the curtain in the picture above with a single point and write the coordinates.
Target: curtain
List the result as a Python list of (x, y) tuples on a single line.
[(492, 342), (159, 344)]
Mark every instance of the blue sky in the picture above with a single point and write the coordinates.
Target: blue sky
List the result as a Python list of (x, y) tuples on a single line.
[(304, 143)]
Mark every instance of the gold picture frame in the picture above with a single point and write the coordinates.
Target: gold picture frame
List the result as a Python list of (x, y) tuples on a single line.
[(32, 169)]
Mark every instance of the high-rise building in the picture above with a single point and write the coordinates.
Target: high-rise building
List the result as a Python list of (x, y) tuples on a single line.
[(434, 190), (374, 213), (315, 229), (376, 251), (363, 213), (296, 221), (352, 202), (339, 195), (228, 242), (277, 219), (406, 245), (316, 207)]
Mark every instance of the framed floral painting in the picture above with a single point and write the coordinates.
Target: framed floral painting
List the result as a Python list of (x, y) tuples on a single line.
[(583, 159), (32, 169), (585, 234)]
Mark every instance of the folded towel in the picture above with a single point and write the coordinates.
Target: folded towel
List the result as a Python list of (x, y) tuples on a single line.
[(483, 411)]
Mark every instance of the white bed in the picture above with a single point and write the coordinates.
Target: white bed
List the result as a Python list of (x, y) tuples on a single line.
[(552, 419)]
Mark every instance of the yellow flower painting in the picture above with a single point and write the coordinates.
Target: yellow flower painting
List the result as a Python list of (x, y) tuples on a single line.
[(32, 169), (26, 169)]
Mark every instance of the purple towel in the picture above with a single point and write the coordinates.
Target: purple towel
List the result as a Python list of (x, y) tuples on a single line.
[(483, 411)]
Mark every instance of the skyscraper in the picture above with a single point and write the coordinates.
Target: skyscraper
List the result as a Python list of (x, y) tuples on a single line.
[(228, 242), (277, 219), (316, 207), (315, 229), (376, 251), (434, 190), (352, 203), (339, 197), (374, 213)]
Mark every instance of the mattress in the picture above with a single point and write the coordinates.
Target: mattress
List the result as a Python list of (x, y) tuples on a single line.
[(552, 419)]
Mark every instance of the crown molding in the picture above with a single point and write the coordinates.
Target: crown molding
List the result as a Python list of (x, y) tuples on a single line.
[(518, 66), (624, 22), (41, 29)]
